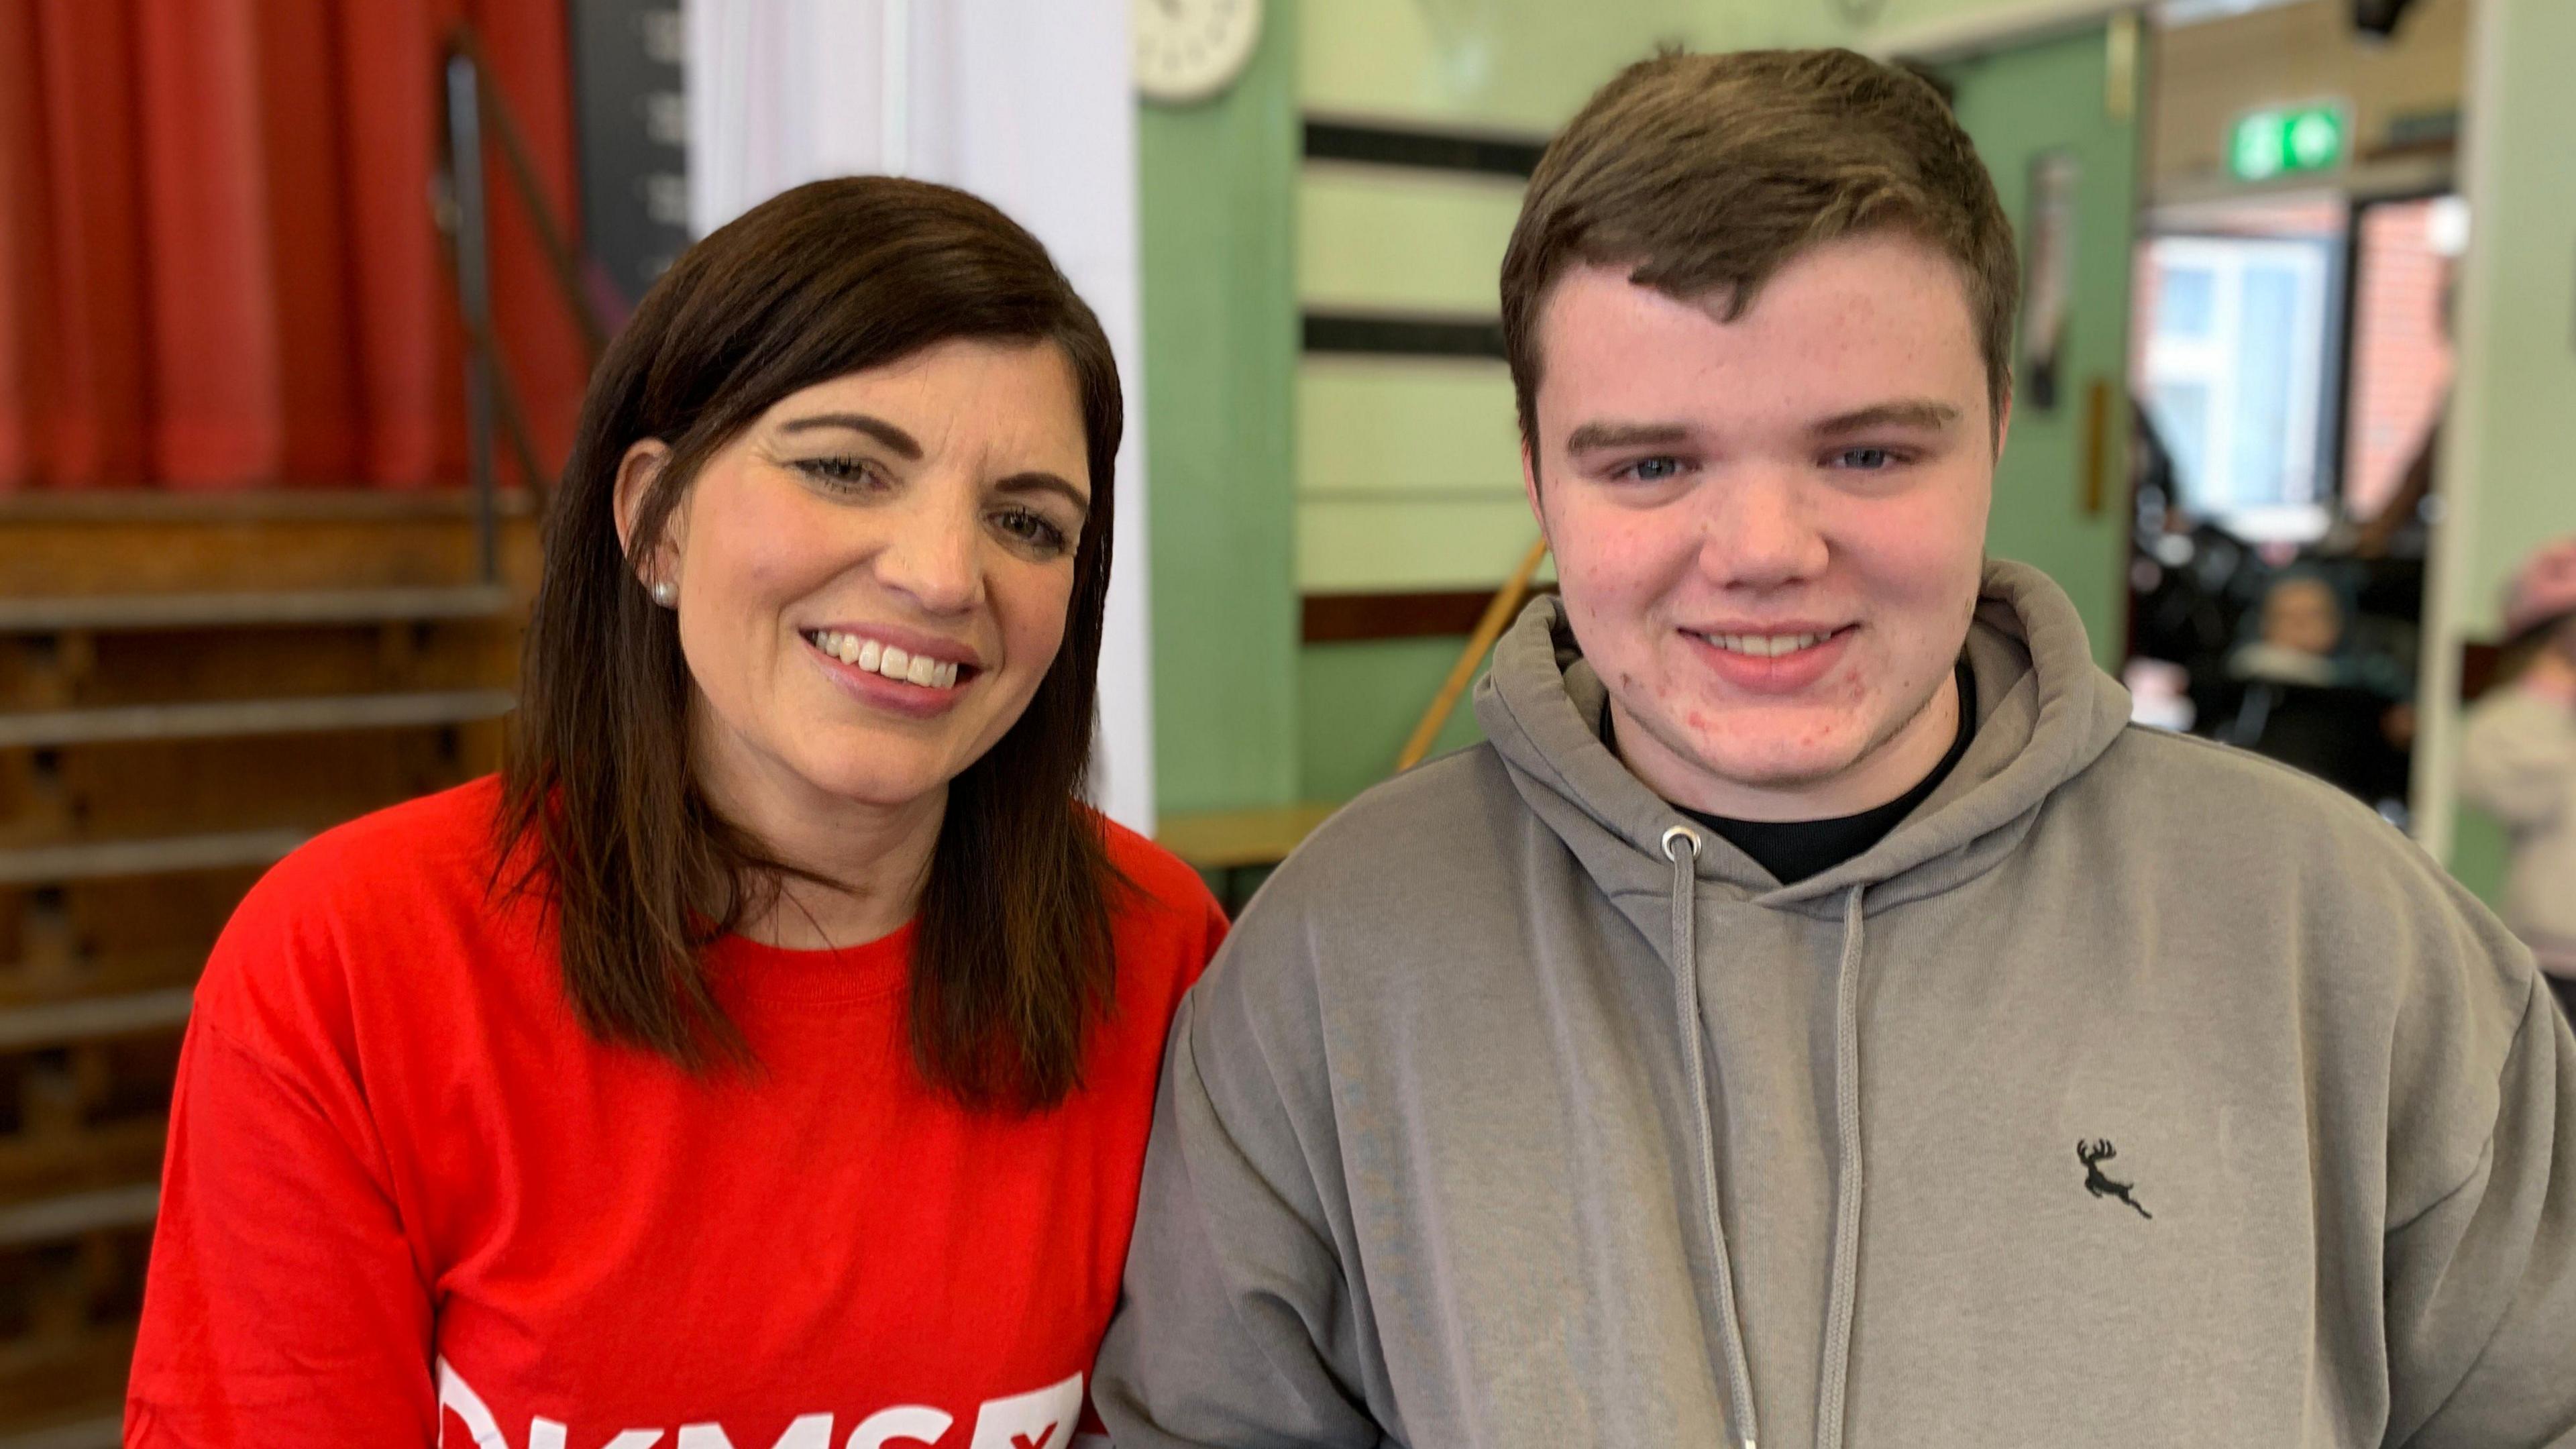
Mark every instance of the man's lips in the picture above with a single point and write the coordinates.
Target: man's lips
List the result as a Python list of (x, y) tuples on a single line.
[(1775, 658)]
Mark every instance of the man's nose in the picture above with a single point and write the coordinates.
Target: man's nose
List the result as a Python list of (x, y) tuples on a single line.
[(1759, 532)]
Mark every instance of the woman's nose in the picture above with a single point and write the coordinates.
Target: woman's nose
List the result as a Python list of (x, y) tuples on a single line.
[(935, 560)]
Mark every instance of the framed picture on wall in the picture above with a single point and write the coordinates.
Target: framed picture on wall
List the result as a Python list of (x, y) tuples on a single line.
[(2048, 276)]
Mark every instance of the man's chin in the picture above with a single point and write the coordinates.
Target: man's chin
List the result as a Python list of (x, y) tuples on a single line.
[(1789, 768)]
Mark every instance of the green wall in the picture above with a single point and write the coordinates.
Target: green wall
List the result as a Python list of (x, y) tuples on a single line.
[(1360, 704), (2048, 99), (2518, 311), (2514, 415), (1216, 195)]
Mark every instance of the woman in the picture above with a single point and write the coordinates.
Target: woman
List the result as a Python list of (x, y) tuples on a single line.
[(767, 1057)]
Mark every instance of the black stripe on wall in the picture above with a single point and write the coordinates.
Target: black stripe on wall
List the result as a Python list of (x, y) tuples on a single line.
[(1431, 150), (1384, 336)]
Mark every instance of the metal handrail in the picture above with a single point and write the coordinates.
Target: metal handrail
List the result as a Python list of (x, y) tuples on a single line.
[(561, 258), (471, 106)]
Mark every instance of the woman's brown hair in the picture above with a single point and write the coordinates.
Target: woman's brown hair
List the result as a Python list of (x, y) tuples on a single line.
[(1012, 954)]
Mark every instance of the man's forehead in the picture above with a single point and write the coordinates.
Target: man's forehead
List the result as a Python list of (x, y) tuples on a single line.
[(1864, 332)]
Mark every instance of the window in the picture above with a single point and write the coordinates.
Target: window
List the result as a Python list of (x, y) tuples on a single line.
[(2234, 373)]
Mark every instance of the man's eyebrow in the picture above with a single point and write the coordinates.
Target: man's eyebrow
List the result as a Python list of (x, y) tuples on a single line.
[(1596, 437), (877, 428), (1921, 413), (1045, 483)]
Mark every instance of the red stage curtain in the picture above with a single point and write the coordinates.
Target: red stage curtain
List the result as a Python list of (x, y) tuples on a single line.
[(96, 284), (25, 411), (218, 262)]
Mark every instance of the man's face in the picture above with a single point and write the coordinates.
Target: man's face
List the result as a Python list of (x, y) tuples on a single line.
[(1768, 532)]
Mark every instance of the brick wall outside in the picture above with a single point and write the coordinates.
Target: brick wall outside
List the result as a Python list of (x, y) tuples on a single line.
[(2401, 362)]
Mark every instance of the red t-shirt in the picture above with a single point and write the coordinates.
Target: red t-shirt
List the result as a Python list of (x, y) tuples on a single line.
[(409, 1201)]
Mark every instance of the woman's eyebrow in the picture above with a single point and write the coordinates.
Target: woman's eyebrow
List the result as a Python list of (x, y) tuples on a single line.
[(1046, 483), (878, 428)]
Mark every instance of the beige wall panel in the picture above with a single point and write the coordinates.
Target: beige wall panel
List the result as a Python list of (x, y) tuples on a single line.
[(1405, 426), (1365, 546), (1400, 239)]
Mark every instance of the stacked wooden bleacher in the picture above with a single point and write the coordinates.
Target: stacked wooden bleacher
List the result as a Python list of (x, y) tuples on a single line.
[(189, 686)]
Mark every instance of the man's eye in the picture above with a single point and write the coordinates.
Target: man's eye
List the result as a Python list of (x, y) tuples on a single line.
[(1654, 470), (1865, 460)]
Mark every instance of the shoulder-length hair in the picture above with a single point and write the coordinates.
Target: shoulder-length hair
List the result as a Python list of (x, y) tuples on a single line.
[(1012, 957)]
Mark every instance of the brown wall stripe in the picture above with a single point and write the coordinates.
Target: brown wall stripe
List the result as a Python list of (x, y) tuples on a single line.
[(1360, 618)]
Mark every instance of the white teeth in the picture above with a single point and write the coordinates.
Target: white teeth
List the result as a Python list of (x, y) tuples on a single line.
[(1765, 646), (878, 657)]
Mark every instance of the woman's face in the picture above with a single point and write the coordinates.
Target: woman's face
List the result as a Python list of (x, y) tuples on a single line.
[(873, 577)]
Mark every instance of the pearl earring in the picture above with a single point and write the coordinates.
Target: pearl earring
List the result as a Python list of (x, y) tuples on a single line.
[(666, 593)]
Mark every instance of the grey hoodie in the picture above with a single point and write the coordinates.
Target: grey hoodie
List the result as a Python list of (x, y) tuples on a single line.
[(2133, 1091)]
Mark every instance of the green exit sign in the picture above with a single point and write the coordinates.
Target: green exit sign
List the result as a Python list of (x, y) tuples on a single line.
[(2274, 143)]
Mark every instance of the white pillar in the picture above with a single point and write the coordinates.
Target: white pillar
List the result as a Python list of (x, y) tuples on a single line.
[(1029, 106)]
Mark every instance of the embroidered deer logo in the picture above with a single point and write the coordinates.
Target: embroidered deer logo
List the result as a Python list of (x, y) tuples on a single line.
[(2093, 1155)]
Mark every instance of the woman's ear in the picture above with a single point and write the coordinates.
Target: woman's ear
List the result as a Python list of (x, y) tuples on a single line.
[(636, 473)]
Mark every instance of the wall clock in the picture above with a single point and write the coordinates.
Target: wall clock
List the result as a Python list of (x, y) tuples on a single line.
[(1190, 50)]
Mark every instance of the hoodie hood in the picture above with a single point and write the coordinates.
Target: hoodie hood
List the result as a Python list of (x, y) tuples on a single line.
[(2046, 712)]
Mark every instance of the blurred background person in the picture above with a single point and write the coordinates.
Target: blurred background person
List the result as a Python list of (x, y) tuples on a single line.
[(2518, 760), (2304, 695)]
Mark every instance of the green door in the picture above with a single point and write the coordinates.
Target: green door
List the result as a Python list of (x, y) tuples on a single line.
[(2056, 123)]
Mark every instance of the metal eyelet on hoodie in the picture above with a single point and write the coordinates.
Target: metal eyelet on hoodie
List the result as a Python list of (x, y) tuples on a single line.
[(1739, 1374)]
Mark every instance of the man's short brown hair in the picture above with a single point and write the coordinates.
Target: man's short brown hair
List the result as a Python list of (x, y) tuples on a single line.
[(1705, 174)]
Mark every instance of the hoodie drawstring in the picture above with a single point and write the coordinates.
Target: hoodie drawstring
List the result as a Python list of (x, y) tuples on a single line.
[(1832, 1384), (1681, 847), (1739, 1387)]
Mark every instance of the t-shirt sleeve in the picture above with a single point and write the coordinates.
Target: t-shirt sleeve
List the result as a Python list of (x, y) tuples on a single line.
[(285, 1306)]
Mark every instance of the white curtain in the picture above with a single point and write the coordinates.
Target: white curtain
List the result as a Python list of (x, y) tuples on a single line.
[(1029, 106)]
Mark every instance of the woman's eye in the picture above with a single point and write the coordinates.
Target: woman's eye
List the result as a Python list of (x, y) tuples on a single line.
[(848, 475), (1654, 470), (1031, 529)]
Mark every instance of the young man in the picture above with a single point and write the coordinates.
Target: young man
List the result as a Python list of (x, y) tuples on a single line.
[(1814, 1007)]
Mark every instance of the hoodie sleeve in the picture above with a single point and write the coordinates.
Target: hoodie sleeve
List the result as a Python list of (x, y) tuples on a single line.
[(2481, 1284), (2517, 755), (1238, 1325)]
